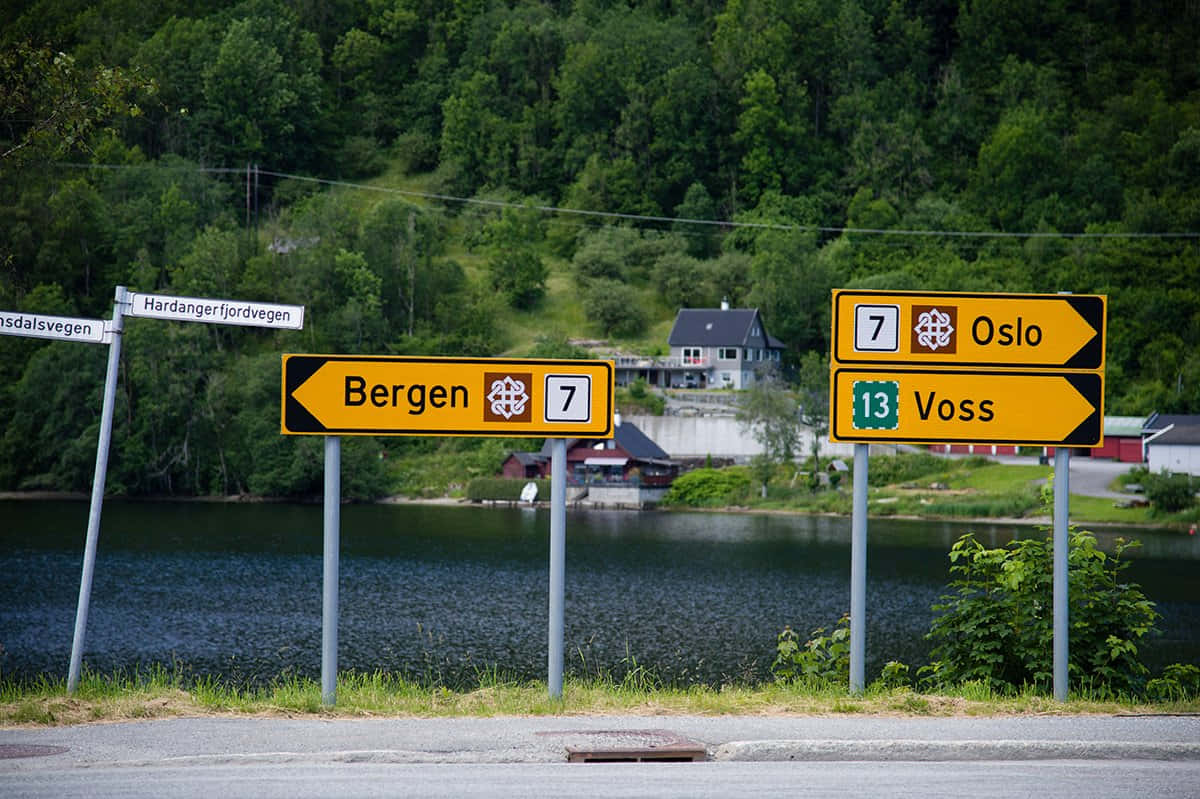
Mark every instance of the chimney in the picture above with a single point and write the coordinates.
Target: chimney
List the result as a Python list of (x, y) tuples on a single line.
[(724, 303), (617, 419)]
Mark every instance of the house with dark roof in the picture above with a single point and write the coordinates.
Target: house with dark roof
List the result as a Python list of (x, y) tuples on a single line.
[(628, 458), (710, 348), (1175, 448)]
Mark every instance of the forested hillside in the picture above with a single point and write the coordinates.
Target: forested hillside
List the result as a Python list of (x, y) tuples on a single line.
[(446, 177)]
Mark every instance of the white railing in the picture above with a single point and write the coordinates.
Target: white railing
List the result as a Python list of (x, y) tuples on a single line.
[(639, 362)]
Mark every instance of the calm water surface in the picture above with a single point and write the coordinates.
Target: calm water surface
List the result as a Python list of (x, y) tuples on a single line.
[(441, 593)]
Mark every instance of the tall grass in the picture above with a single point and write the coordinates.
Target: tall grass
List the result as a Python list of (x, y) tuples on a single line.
[(160, 693)]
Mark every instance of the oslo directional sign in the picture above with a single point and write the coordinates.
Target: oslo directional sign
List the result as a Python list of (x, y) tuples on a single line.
[(379, 395), (945, 406), (1026, 331)]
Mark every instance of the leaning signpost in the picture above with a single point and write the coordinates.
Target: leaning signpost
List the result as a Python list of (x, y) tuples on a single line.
[(97, 331), (963, 368), (337, 395)]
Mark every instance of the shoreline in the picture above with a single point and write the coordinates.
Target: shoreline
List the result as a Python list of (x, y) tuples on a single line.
[(398, 499)]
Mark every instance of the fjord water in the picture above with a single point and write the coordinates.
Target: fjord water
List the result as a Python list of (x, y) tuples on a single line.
[(444, 593)]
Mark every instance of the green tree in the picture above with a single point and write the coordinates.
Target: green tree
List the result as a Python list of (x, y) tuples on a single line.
[(679, 279), (517, 270), (614, 308), (702, 240), (766, 136), (52, 107), (812, 378), (264, 79), (770, 413)]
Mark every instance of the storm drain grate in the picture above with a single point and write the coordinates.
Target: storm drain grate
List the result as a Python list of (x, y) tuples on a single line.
[(13, 751), (632, 746)]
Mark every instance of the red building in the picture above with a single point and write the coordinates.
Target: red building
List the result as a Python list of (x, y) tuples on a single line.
[(628, 457)]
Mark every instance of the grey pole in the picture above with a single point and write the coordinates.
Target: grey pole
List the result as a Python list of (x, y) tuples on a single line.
[(558, 562), (1062, 493), (329, 608), (858, 570), (98, 480)]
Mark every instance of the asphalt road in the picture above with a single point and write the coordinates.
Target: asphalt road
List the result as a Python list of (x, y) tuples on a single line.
[(979, 780), (1093, 756)]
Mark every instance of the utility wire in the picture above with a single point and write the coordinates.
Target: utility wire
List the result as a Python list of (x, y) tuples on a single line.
[(724, 224)]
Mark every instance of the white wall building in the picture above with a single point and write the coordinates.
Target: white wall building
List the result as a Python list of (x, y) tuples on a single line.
[(1175, 449)]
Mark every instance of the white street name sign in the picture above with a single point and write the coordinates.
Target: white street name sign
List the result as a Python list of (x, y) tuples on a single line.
[(63, 328), (221, 312)]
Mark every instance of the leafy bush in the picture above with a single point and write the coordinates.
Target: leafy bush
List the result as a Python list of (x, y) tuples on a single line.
[(1179, 682), (998, 625), (709, 488), (822, 658), (894, 675), (1170, 493), (638, 399), (615, 308), (503, 489)]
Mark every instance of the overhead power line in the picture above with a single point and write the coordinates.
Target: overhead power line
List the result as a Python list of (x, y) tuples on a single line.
[(724, 224)]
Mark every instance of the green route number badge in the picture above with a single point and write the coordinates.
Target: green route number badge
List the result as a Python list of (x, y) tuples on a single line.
[(876, 405)]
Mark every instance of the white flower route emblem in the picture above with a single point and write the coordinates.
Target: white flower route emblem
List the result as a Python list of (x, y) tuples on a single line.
[(508, 397), (933, 329)]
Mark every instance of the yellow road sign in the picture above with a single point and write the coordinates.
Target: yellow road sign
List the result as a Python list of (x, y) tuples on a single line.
[(944, 406), (1027, 331), (381, 395)]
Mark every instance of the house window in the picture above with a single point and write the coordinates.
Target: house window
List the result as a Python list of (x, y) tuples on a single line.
[(727, 353), (727, 378), (692, 355)]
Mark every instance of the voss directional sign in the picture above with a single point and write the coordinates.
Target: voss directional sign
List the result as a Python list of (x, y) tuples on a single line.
[(967, 368), (382, 395), (1025, 331), (945, 406)]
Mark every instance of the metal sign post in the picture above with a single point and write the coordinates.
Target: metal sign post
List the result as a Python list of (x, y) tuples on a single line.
[(90, 331), (1062, 494), (960, 368), (858, 570), (127, 303), (332, 538), (98, 479), (558, 564), (367, 395), (96, 331)]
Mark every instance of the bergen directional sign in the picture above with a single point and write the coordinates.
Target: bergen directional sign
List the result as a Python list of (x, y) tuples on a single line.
[(945, 406), (380, 395), (947, 367), (1026, 331)]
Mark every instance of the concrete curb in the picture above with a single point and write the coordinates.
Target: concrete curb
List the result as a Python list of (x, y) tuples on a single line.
[(376, 756), (909, 750)]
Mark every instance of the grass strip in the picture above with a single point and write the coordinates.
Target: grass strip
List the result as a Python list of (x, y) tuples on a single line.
[(157, 693)]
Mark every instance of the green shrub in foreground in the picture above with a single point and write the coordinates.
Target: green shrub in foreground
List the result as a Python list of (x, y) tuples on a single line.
[(997, 625)]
